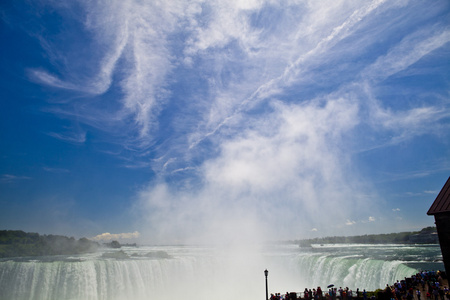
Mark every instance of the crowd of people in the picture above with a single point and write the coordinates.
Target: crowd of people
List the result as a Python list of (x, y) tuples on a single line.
[(425, 285), (318, 294)]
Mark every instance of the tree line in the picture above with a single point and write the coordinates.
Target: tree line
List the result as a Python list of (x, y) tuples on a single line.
[(16, 243), (389, 238)]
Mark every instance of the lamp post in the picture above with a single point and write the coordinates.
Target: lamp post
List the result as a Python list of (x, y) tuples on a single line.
[(267, 291)]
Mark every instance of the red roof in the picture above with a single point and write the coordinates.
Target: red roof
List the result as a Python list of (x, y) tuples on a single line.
[(442, 202)]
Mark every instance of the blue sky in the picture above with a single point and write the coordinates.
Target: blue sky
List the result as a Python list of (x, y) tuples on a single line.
[(181, 121)]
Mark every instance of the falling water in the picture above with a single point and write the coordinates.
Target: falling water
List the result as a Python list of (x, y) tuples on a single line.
[(200, 272)]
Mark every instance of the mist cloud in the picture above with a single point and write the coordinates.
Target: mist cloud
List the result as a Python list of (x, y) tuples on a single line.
[(274, 180)]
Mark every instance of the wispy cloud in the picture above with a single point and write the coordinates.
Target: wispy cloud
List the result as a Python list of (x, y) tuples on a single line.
[(431, 192), (295, 57), (48, 79), (243, 60), (70, 137), (137, 34), (56, 170), (407, 52), (428, 169), (9, 178)]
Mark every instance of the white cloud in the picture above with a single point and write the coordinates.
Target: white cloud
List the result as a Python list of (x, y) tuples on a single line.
[(396, 209), (371, 219), (350, 223), (116, 236)]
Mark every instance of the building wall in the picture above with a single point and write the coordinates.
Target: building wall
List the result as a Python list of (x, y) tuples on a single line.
[(443, 229)]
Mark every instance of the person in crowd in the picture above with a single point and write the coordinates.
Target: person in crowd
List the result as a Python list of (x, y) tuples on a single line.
[(333, 293), (319, 293), (388, 292), (435, 293), (447, 292), (330, 294), (409, 295)]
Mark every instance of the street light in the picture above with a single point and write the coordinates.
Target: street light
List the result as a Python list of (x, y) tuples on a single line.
[(267, 291)]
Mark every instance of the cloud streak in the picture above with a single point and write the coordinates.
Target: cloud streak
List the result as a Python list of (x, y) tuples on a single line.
[(10, 178)]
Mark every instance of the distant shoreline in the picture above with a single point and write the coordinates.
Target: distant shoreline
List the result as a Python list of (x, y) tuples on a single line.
[(17, 243), (427, 235)]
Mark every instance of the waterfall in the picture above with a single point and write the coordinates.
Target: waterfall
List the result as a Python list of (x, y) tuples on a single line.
[(192, 273), (100, 279), (363, 273)]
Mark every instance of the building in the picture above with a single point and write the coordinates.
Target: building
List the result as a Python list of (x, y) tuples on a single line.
[(440, 209)]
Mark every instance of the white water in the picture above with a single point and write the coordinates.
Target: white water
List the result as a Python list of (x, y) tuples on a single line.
[(195, 273)]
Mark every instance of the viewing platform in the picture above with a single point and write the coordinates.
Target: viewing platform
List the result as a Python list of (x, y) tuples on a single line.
[(425, 285)]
